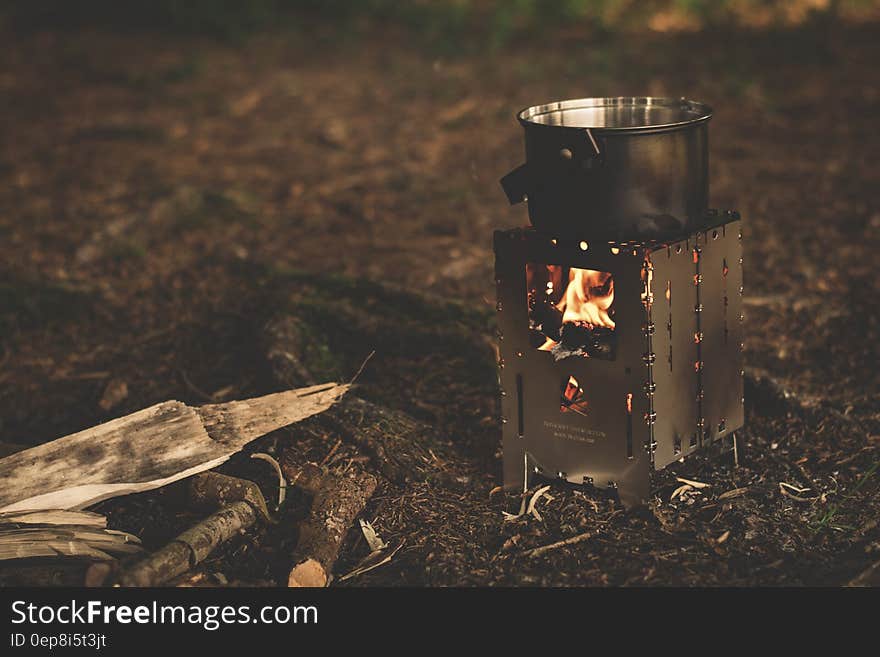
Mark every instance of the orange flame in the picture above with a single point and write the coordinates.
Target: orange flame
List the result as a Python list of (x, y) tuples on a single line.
[(573, 398), (587, 299)]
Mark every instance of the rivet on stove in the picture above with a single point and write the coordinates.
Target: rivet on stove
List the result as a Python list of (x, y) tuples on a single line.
[(503, 420), (501, 363), (651, 417), (499, 306), (584, 246), (649, 358), (648, 328), (519, 354), (698, 308), (650, 388)]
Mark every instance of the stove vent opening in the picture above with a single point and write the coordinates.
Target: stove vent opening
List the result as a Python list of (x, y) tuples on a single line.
[(571, 311), (629, 425), (520, 422), (573, 398)]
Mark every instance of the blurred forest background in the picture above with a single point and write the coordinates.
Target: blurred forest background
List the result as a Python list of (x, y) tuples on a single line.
[(176, 174), (492, 21)]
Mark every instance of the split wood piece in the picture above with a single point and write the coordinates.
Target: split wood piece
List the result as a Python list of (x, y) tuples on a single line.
[(192, 546), (148, 449), (338, 499), (54, 534)]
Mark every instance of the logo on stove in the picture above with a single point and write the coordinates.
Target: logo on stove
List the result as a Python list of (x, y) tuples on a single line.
[(570, 432)]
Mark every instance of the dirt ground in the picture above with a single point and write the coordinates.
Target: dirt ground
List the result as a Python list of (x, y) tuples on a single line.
[(158, 194)]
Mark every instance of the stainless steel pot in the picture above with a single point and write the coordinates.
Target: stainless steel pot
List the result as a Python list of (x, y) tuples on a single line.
[(615, 168)]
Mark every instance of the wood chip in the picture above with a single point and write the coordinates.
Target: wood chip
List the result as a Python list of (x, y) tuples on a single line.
[(786, 488), (681, 490), (534, 501), (371, 562), (736, 492), (691, 482), (371, 537), (538, 551)]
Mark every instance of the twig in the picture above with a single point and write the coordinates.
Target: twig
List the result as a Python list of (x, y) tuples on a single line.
[(361, 368), (538, 551)]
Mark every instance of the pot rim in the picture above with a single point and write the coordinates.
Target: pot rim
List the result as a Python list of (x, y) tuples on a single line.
[(692, 112)]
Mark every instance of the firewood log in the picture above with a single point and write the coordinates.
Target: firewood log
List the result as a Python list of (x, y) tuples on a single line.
[(338, 499), (148, 449)]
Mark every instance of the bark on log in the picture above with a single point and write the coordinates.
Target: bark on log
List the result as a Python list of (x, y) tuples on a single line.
[(338, 499), (148, 449), (191, 547), (210, 491)]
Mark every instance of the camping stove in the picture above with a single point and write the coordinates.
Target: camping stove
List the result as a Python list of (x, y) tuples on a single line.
[(618, 356)]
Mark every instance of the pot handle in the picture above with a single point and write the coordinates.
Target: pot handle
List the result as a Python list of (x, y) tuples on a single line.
[(517, 183), (521, 180)]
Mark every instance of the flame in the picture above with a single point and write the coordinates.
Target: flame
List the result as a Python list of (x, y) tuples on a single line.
[(586, 300), (588, 297), (573, 398)]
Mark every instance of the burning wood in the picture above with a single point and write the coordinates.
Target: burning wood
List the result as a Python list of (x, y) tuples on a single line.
[(576, 320)]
